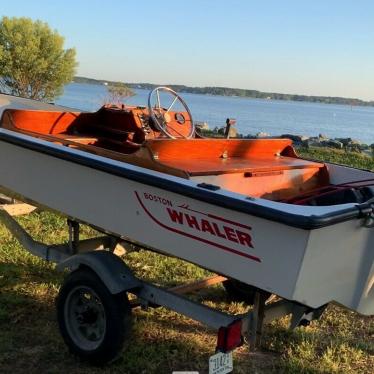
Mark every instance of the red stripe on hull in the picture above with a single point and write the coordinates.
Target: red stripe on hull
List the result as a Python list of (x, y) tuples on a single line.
[(220, 246)]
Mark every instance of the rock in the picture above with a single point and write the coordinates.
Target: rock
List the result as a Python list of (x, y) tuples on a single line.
[(202, 125), (220, 130), (262, 135), (232, 133), (348, 141), (355, 141), (297, 139), (353, 145), (314, 139), (332, 143), (322, 137), (250, 136), (312, 142), (345, 141)]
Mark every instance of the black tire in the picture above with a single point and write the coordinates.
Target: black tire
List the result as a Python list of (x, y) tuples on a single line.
[(93, 323), (239, 291)]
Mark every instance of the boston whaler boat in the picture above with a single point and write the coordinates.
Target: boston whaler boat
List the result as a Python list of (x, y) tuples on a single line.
[(250, 210)]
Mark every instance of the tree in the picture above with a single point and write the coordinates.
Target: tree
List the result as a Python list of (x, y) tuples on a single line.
[(33, 62), (118, 92)]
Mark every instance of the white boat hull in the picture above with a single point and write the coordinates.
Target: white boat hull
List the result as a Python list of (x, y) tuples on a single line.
[(310, 266)]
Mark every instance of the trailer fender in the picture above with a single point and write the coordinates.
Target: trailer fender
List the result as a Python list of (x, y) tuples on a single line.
[(112, 271)]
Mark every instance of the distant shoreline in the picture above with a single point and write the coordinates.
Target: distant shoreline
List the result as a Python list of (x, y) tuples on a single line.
[(237, 92)]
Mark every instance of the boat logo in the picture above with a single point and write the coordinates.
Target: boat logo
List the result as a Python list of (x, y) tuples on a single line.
[(219, 232)]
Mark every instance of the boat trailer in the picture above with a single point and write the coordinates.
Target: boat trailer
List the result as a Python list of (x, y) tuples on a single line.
[(93, 299)]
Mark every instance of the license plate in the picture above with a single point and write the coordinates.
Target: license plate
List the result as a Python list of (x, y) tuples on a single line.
[(221, 363)]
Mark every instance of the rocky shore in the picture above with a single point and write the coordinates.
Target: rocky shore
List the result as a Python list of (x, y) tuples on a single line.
[(348, 144)]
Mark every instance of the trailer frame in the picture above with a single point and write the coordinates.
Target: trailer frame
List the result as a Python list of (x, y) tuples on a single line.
[(99, 256)]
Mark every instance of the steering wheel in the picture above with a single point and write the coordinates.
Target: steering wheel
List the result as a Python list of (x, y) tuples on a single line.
[(181, 126)]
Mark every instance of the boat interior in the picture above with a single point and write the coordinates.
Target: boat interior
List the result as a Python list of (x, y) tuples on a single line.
[(158, 138)]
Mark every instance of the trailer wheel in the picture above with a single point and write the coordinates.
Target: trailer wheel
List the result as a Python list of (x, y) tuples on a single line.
[(239, 291), (93, 323)]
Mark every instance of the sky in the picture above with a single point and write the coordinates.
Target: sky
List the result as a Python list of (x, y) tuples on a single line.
[(310, 47)]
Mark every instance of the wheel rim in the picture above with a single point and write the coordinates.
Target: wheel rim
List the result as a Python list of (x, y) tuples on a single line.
[(85, 318)]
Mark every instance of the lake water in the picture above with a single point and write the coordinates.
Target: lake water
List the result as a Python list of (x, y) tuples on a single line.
[(252, 115)]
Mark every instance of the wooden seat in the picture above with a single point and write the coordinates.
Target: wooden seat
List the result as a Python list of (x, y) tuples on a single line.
[(221, 156), (235, 165), (267, 168)]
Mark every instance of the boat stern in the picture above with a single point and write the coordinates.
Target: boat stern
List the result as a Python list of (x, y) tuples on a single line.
[(338, 266)]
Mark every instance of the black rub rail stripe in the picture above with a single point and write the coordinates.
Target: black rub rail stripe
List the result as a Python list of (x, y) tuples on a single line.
[(290, 219)]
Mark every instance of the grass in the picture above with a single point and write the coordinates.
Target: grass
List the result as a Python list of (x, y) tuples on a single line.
[(163, 341), (355, 159)]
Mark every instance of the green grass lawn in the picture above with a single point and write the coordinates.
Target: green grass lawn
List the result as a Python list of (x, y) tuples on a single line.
[(357, 160), (163, 341)]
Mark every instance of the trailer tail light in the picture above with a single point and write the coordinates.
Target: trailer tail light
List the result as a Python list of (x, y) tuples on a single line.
[(230, 337)]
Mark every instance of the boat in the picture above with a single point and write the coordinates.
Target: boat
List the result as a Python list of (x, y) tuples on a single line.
[(265, 220), (249, 209)]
